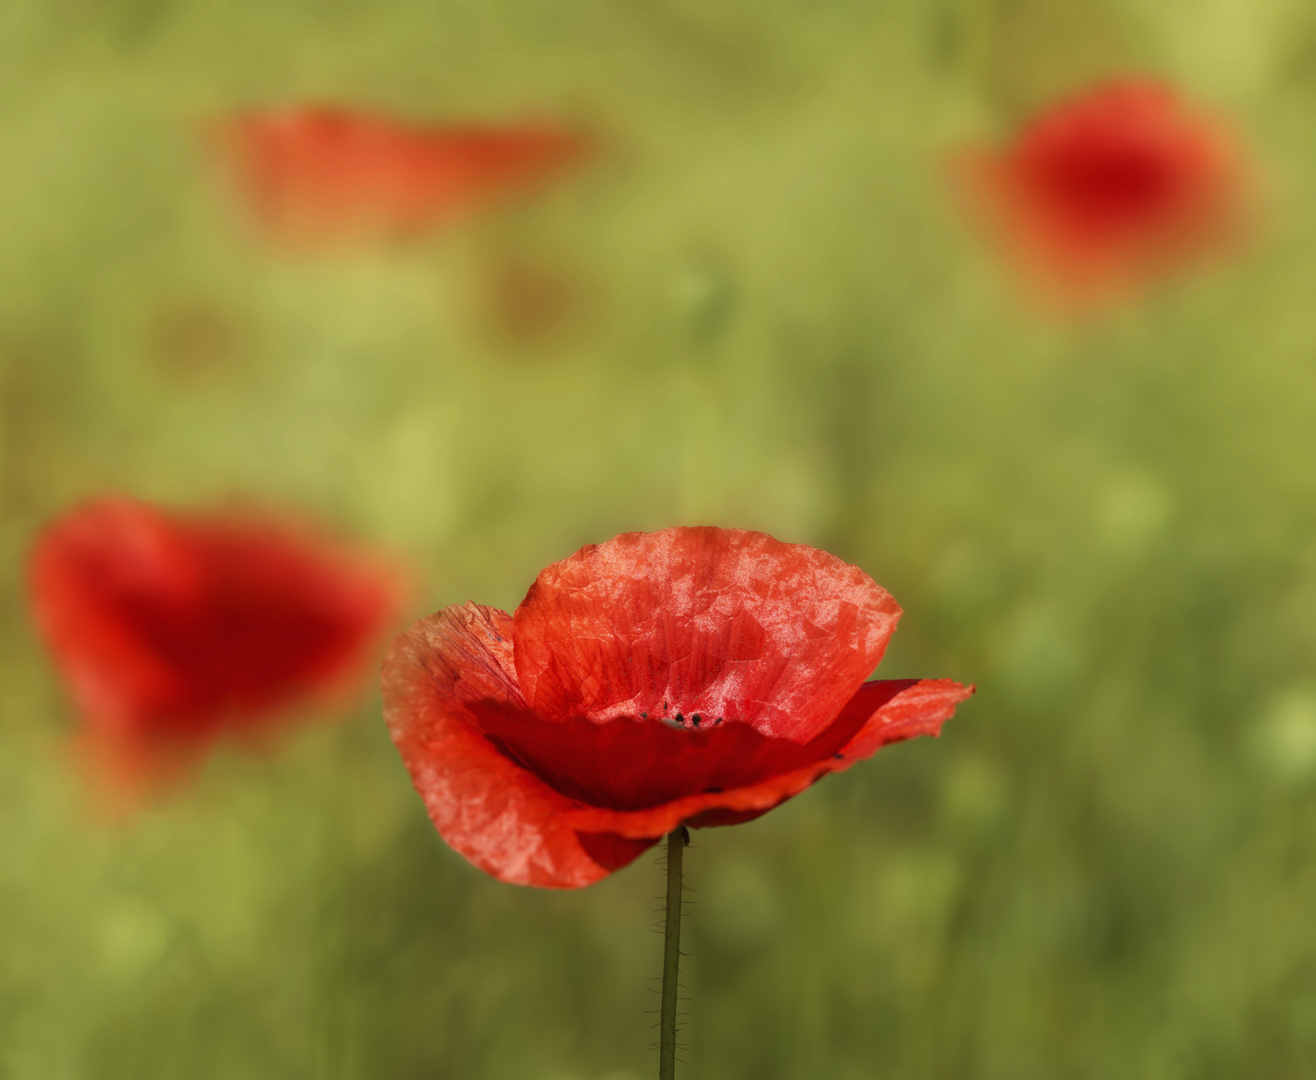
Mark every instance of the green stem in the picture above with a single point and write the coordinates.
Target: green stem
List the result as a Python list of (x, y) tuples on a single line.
[(676, 841)]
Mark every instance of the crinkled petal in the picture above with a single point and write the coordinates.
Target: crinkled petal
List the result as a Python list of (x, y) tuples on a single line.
[(726, 624), (495, 812)]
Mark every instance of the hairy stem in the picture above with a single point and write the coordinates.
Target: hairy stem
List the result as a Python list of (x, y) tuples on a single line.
[(676, 841)]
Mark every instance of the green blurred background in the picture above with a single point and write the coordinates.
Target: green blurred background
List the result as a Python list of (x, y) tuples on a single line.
[(758, 309)]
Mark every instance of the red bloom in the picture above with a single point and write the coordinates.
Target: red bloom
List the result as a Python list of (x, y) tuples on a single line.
[(172, 629), (692, 676), (1109, 189), (318, 174)]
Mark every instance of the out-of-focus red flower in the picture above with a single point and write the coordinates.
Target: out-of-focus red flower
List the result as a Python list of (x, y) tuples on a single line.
[(311, 175), (172, 629), (693, 676), (1106, 191)]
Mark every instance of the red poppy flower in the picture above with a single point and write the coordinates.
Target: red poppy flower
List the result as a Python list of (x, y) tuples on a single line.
[(172, 629), (1109, 189), (316, 174), (693, 676)]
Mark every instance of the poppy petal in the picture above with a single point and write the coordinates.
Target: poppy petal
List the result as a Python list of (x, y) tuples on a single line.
[(495, 812), (895, 710), (918, 708), (727, 625), (627, 764)]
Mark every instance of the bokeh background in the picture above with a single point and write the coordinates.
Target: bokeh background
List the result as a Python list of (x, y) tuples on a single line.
[(758, 307)]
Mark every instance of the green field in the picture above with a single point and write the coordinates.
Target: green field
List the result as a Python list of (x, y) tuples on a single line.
[(758, 307)]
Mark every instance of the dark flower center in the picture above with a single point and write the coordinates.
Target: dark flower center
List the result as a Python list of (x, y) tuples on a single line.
[(634, 763)]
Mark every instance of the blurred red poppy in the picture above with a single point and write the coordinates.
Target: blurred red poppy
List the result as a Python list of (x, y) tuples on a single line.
[(1111, 189), (318, 174), (172, 630), (694, 676)]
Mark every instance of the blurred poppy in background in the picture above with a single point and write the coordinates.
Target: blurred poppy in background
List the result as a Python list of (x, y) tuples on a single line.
[(694, 676), (174, 629), (1107, 191), (322, 174)]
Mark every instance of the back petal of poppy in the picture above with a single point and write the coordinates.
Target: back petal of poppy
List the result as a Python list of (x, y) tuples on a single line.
[(496, 813), (720, 623)]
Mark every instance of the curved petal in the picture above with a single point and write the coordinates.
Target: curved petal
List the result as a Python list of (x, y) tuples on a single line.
[(918, 708), (723, 624), (895, 710), (627, 764), (496, 813)]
